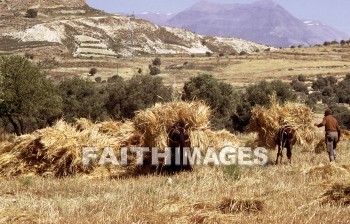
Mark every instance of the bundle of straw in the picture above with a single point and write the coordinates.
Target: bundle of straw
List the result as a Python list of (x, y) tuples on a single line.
[(206, 138), (266, 121), (345, 135), (154, 123), (57, 150)]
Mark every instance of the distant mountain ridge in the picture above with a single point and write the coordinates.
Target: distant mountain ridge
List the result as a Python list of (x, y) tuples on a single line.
[(262, 21), (161, 18)]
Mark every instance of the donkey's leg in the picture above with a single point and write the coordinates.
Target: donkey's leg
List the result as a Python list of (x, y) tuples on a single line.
[(289, 151), (278, 154), (289, 154), (281, 155)]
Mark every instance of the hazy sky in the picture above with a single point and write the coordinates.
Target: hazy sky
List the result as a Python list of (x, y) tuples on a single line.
[(335, 13)]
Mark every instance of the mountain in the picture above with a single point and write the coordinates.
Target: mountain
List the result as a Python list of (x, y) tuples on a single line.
[(263, 22), (81, 31), (323, 32), (157, 18)]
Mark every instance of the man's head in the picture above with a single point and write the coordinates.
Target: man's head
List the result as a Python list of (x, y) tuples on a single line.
[(327, 112)]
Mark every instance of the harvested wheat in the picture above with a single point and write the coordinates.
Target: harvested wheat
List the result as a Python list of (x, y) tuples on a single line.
[(320, 146), (338, 194), (207, 138), (266, 121), (58, 150), (345, 135), (154, 123), (234, 206), (330, 169)]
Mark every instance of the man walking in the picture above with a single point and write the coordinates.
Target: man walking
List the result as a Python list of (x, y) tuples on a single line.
[(333, 133)]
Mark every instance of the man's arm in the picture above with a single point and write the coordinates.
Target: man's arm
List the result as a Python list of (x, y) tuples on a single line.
[(339, 131), (323, 123)]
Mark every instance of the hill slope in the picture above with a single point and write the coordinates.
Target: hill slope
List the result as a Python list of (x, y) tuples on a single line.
[(86, 32)]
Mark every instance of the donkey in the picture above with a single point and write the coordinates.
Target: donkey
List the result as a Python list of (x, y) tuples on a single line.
[(178, 137), (285, 138)]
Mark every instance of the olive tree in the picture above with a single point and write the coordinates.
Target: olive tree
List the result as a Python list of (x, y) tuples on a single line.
[(28, 100), (220, 96)]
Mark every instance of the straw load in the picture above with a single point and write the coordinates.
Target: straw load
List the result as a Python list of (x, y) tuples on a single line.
[(266, 121), (207, 138), (345, 135), (154, 123), (57, 150)]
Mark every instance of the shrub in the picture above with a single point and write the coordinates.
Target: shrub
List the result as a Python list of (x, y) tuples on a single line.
[(208, 54), (48, 63), (98, 79), (220, 96), (310, 102), (126, 97), (342, 90), (115, 78), (29, 55), (31, 13), (326, 43), (321, 82), (93, 71), (342, 114), (156, 62), (299, 86), (301, 78), (334, 42), (328, 91), (315, 96), (153, 70), (143, 91), (259, 94), (82, 99)]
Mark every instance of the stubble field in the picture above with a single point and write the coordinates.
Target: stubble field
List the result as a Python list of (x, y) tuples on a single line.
[(295, 193)]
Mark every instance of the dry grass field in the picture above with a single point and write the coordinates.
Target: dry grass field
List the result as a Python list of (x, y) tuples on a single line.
[(310, 190), (269, 194), (238, 70)]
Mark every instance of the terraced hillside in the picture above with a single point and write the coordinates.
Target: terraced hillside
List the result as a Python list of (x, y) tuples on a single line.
[(83, 31)]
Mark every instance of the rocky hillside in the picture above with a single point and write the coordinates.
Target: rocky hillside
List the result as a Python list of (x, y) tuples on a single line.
[(23, 5), (85, 32)]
